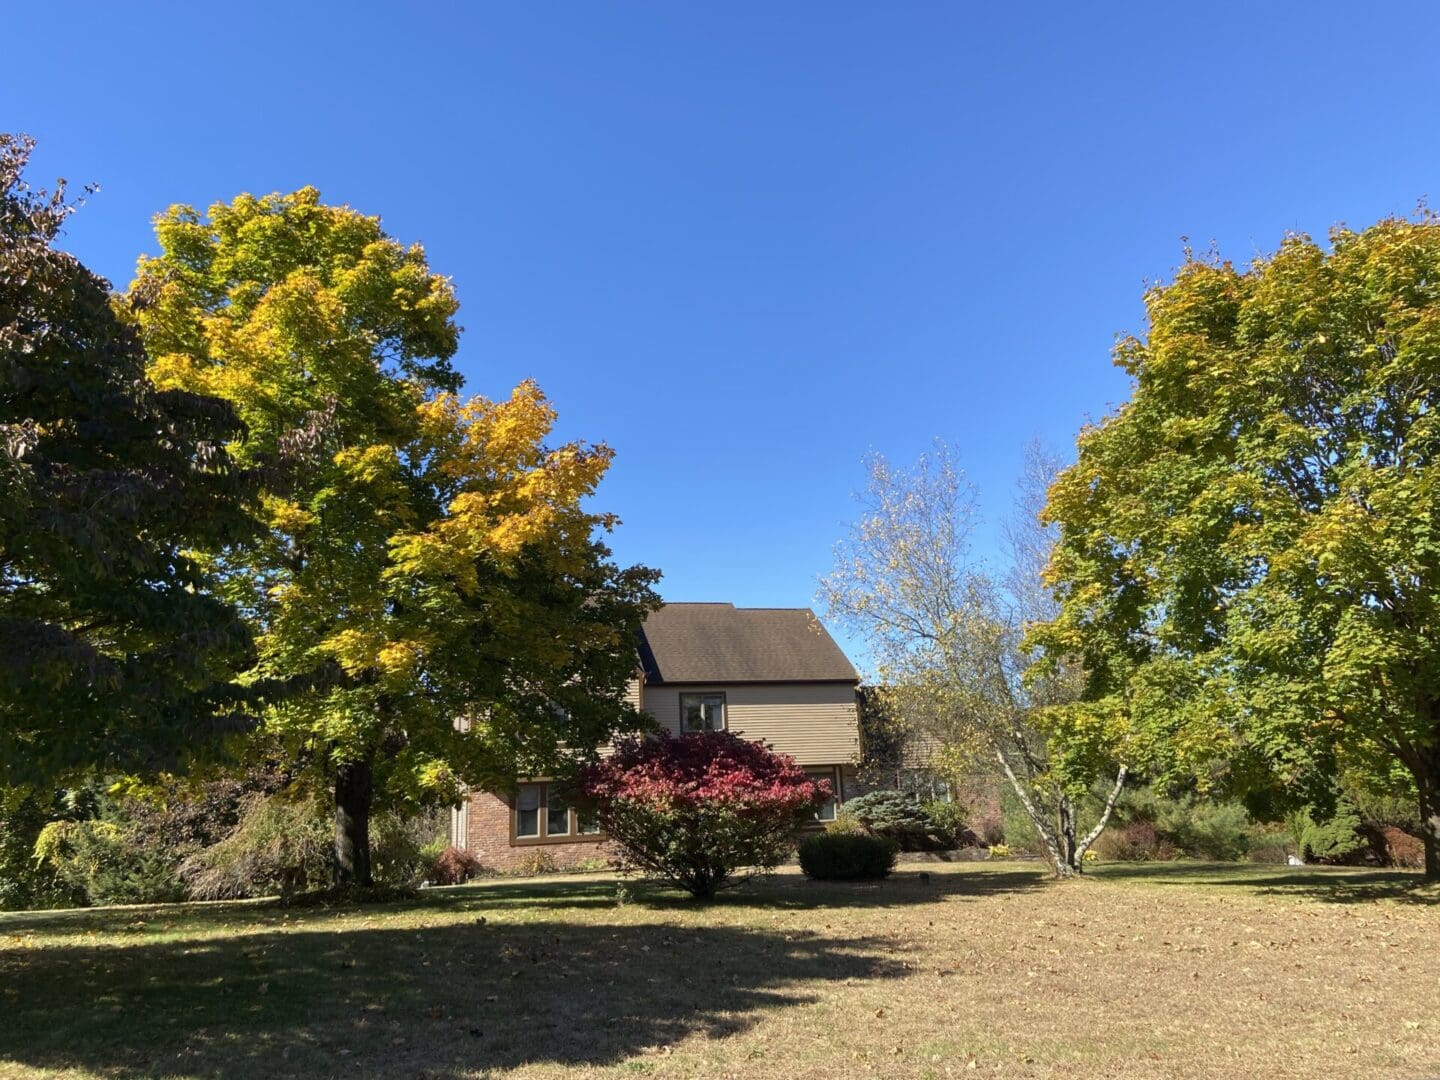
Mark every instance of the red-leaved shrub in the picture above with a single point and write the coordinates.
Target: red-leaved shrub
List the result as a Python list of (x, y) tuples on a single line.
[(1402, 849), (1136, 842), (693, 810), (454, 866)]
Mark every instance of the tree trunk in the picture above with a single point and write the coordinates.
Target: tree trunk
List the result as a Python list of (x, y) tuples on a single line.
[(1065, 832), (1094, 833), (354, 792), (1062, 868), (1426, 770)]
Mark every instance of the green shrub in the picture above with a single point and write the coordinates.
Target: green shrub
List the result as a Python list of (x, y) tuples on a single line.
[(1335, 839), (404, 846), (896, 815), (1018, 831), (24, 881), (845, 822), (832, 856), (1208, 829), (106, 864), (280, 846), (948, 821)]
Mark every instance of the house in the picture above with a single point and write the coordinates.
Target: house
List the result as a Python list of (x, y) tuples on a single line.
[(771, 674)]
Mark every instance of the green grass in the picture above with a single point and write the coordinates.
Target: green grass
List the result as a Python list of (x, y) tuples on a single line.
[(1139, 971)]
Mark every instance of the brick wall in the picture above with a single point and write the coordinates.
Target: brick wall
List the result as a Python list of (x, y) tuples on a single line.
[(851, 786), (487, 837), (487, 833)]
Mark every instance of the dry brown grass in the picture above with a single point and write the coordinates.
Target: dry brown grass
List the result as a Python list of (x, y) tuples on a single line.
[(1157, 971)]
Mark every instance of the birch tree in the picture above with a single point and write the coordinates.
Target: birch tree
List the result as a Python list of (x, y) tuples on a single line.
[(945, 633)]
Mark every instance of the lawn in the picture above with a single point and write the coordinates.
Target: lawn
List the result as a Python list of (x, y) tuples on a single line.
[(1164, 970)]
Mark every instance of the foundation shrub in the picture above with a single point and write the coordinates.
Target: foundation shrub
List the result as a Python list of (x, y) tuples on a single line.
[(830, 856), (896, 815), (453, 866), (948, 820)]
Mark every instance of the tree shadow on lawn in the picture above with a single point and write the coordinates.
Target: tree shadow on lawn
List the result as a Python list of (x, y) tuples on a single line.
[(781, 892), (428, 1000), (1337, 885)]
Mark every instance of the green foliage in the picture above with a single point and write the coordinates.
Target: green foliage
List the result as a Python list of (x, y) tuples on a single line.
[(845, 823), (1384, 807), (405, 846), (948, 820), (106, 864), (1018, 828), (1213, 829), (421, 557), (1248, 561), (884, 735), (281, 845), (831, 856), (26, 882), (897, 815), (117, 652), (1334, 838)]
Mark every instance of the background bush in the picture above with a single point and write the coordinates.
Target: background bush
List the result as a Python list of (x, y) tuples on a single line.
[(106, 863), (949, 822), (404, 847), (1133, 841), (280, 845), (1401, 849), (897, 816), (835, 856), (454, 866), (1335, 839), (24, 881)]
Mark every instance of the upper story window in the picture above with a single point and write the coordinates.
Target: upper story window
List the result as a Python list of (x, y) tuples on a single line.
[(702, 712)]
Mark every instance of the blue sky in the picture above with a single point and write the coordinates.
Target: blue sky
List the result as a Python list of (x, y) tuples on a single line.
[(747, 243)]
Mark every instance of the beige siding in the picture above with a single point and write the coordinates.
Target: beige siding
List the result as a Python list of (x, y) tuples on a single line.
[(632, 693), (816, 723)]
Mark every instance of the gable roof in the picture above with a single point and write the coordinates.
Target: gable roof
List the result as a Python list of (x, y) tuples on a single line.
[(715, 643)]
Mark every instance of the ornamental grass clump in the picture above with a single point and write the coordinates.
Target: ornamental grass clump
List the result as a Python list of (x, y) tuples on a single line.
[(703, 811)]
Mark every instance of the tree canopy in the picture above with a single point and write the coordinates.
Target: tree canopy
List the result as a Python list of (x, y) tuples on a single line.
[(115, 651), (1249, 554), (425, 559)]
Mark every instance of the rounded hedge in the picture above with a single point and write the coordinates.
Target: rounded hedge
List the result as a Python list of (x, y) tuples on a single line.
[(847, 856)]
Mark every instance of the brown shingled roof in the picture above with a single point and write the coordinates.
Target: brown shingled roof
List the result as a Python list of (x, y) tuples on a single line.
[(714, 643)]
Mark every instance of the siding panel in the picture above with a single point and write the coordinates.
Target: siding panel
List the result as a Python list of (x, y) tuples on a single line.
[(816, 723)]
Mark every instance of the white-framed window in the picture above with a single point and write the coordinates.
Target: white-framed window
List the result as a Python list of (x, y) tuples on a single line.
[(702, 712), (831, 805)]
